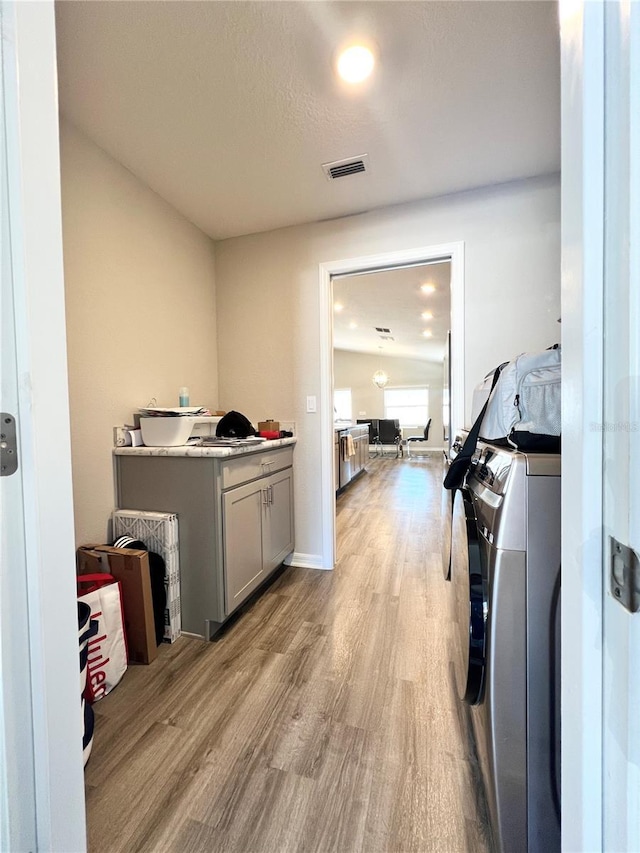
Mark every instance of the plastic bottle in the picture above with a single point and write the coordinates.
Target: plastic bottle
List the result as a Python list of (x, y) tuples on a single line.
[(183, 395)]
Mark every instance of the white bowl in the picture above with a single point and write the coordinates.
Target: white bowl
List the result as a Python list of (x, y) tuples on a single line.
[(165, 432)]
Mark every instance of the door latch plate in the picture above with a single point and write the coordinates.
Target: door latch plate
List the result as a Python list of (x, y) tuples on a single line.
[(625, 576), (8, 445)]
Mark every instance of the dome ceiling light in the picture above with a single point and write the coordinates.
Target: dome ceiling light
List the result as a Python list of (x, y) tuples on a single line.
[(355, 64)]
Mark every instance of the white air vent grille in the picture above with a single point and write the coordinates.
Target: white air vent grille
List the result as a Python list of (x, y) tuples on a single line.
[(344, 168)]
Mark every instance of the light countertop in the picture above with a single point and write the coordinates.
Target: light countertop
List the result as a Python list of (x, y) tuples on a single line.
[(199, 450), (347, 425)]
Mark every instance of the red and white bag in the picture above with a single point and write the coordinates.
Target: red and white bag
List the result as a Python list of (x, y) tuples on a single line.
[(107, 658)]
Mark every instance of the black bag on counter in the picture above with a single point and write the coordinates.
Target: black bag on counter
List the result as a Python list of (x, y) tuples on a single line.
[(234, 425), (157, 571)]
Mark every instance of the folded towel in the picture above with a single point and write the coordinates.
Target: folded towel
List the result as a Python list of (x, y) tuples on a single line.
[(347, 447)]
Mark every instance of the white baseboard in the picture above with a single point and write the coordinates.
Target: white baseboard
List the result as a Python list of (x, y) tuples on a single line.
[(307, 561)]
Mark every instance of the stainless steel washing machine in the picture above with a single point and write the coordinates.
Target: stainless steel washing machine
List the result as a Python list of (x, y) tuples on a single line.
[(505, 576)]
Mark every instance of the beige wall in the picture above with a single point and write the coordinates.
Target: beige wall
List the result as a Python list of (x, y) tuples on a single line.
[(141, 313), (355, 369), (268, 303)]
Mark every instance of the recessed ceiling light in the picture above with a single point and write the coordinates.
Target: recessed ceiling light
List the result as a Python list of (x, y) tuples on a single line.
[(337, 306), (353, 325), (355, 63), (427, 333), (428, 288), (427, 315)]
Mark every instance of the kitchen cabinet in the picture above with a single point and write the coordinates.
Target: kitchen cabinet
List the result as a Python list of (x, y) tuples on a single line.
[(257, 523), (235, 519)]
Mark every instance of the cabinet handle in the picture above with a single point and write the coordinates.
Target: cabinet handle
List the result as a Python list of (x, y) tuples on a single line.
[(270, 494), (265, 496)]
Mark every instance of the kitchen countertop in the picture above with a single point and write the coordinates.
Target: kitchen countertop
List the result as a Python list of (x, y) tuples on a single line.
[(347, 425), (199, 450)]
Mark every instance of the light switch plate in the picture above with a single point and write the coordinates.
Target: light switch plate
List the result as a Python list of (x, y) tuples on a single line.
[(311, 403)]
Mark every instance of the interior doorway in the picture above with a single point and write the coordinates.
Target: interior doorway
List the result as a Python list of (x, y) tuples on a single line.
[(449, 257), (390, 336), (390, 341)]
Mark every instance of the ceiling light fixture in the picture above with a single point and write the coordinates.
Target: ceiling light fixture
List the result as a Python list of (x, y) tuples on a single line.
[(380, 378), (427, 315), (355, 64), (428, 288), (353, 325), (338, 306), (427, 333)]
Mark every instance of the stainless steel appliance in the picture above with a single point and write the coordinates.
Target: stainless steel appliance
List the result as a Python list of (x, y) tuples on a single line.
[(344, 464), (505, 575), (452, 514)]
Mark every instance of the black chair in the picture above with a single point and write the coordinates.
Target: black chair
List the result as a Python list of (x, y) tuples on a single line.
[(389, 433), (373, 431), (423, 437)]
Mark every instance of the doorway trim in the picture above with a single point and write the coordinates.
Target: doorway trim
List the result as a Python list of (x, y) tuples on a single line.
[(452, 252)]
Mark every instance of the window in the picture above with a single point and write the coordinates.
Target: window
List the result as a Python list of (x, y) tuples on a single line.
[(342, 404), (408, 405)]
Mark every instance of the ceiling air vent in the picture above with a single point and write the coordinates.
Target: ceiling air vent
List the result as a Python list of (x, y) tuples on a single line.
[(384, 333), (344, 168)]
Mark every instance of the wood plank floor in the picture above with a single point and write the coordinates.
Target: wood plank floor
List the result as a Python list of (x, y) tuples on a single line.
[(323, 720)]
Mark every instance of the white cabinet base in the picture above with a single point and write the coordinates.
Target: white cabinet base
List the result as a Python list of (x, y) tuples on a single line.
[(235, 518)]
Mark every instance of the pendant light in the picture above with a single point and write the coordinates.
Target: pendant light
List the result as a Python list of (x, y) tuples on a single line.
[(380, 378)]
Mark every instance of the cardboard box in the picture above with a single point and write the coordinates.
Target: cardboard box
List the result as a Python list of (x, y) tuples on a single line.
[(269, 426), (131, 568)]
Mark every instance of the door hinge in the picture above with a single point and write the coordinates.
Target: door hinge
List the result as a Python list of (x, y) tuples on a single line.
[(625, 576), (8, 445)]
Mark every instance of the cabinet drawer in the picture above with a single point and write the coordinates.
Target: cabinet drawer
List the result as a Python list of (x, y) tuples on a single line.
[(242, 469)]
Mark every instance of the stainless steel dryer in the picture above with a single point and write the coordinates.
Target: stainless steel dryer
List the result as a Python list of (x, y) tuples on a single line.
[(506, 587), (452, 514)]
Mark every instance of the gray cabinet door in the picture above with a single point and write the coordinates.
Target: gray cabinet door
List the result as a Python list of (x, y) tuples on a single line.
[(243, 512), (278, 527)]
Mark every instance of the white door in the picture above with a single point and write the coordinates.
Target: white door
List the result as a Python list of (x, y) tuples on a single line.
[(17, 781), (41, 778), (621, 427), (601, 423)]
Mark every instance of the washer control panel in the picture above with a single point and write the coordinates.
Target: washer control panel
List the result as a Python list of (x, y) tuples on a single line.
[(492, 468)]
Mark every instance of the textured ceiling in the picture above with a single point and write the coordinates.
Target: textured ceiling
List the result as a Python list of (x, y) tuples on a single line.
[(228, 109), (392, 299)]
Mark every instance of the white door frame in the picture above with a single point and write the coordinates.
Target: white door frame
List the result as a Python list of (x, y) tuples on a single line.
[(453, 252)]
